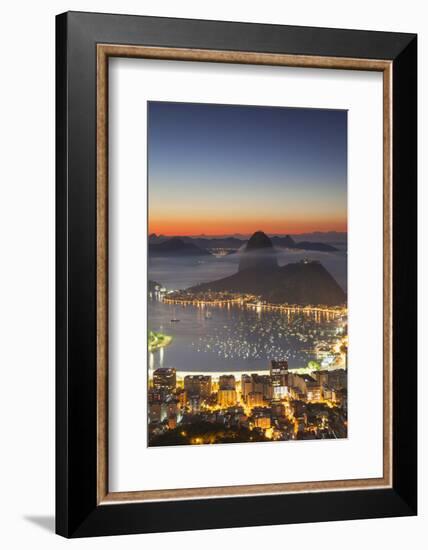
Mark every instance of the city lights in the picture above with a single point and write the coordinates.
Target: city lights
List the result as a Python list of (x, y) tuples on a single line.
[(220, 408)]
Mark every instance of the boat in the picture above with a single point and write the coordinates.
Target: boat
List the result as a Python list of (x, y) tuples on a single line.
[(174, 319)]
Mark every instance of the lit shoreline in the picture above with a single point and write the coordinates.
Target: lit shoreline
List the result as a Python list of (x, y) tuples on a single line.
[(216, 375), (243, 301)]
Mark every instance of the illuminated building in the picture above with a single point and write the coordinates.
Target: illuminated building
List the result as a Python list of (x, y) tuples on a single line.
[(300, 381), (296, 382), (338, 379), (261, 417), (278, 367), (194, 402), (328, 393), (154, 411), (226, 382), (263, 385), (278, 409), (267, 387), (321, 376), (164, 379), (154, 395), (280, 392), (257, 383), (315, 392), (262, 421), (172, 422), (171, 407), (198, 385), (226, 397), (295, 393), (255, 399), (182, 397), (246, 385), (279, 373)]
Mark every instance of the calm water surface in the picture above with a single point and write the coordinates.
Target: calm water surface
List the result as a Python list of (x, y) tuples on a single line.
[(234, 338)]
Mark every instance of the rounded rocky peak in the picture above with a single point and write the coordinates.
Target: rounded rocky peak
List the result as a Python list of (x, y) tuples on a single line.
[(258, 240), (259, 254)]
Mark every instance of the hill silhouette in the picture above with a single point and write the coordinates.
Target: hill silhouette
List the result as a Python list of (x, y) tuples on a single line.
[(304, 283), (258, 253), (176, 247), (289, 242)]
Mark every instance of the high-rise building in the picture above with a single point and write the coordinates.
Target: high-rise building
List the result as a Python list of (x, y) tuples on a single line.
[(246, 386), (280, 392), (257, 383), (279, 367), (226, 397), (165, 379), (263, 385), (279, 373), (169, 408), (255, 399), (194, 403), (300, 381), (198, 385), (338, 379), (226, 382)]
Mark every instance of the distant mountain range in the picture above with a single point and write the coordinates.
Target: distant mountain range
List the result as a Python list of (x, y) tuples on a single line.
[(229, 243), (331, 237), (303, 283), (289, 242), (177, 246), (201, 242)]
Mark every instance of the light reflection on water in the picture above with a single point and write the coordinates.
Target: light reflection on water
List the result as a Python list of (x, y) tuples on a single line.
[(233, 338)]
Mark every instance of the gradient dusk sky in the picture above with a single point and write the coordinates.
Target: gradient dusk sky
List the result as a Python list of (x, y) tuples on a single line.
[(225, 169)]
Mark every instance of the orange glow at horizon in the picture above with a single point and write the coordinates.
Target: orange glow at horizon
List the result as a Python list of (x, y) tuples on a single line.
[(215, 227)]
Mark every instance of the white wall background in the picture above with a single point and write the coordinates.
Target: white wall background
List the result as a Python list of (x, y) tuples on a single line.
[(27, 270)]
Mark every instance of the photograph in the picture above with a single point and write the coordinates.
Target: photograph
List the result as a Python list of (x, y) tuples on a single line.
[(212, 264), (247, 274)]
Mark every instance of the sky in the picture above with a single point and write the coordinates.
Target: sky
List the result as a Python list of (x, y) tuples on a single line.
[(227, 169)]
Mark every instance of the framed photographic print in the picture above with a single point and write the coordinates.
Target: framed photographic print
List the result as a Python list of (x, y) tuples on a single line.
[(236, 274)]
